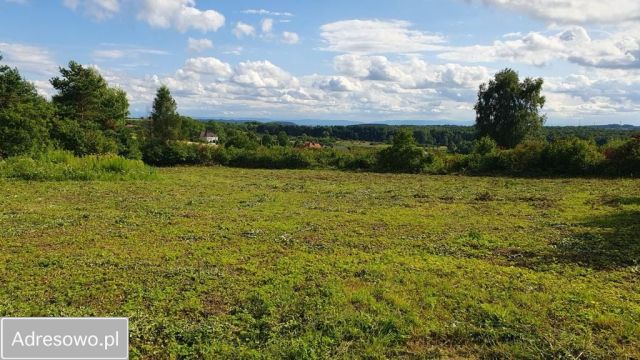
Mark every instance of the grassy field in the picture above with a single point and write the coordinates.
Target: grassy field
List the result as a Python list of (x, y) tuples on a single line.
[(230, 263)]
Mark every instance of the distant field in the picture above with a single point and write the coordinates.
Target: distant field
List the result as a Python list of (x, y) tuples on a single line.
[(232, 263), (364, 144)]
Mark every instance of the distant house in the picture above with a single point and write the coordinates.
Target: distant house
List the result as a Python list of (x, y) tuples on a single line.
[(312, 145), (209, 137)]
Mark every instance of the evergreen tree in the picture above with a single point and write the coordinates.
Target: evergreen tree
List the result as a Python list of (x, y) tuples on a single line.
[(25, 116), (166, 123), (84, 96)]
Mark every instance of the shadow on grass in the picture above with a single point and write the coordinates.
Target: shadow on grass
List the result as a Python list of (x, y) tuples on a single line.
[(608, 241)]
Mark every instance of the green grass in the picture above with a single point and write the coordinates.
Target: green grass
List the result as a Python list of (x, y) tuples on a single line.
[(62, 165), (232, 263)]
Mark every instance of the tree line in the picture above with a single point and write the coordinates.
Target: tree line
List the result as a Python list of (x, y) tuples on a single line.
[(457, 139), (87, 116)]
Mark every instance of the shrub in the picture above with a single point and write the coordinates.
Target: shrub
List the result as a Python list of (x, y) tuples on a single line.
[(162, 153), (83, 140), (624, 158), (63, 165), (403, 156), (364, 160), (528, 157), (485, 158), (485, 145), (488, 163), (436, 163), (572, 156), (128, 144), (271, 158)]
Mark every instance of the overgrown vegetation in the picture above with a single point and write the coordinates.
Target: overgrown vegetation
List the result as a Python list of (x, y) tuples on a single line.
[(62, 165), (570, 157)]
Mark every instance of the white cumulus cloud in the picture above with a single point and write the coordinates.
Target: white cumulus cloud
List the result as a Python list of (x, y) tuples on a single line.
[(262, 74), (208, 66), (338, 83), (182, 15), (243, 30), (620, 49)]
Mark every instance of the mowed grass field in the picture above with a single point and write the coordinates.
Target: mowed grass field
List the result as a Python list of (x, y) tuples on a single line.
[(233, 263)]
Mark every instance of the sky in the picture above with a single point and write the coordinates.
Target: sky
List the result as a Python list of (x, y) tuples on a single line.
[(337, 59)]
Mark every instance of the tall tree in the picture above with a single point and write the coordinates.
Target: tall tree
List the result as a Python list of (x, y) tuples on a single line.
[(25, 116), (166, 123), (509, 110), (283, 139), (85, 96)]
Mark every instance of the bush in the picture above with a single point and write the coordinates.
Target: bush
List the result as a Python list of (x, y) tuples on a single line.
[(271, 158), (63, 165), (128, 144), (403, 156), (184, 153), (484, 146), (436, 163), (624, 158), (572, 156), (82, 140), (528, 157), (356, 159), (495, 162), (162, 153)]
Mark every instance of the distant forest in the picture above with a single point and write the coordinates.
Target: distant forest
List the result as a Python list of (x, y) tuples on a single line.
[(457, 139)]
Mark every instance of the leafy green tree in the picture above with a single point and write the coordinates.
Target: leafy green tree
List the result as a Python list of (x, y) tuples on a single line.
[(84, 139), (85, 96), (191, 128), (25, 116), (508, 110), (165, 122), (283, 139), (240, 139), (404, 155), (267, 140), (625, 157)]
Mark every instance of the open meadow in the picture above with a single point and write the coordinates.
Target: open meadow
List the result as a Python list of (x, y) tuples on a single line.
[(232, 263)]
